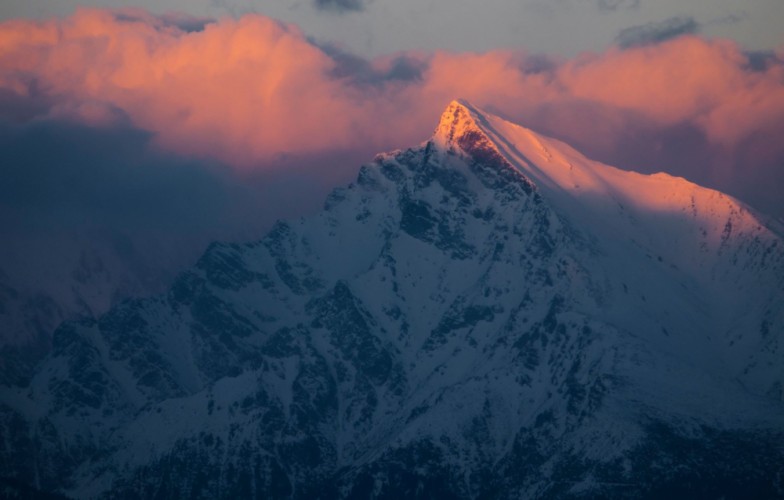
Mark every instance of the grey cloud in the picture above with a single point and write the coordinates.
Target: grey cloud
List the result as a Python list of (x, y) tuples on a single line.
[(360, 71), (16, 108), (735, 18), (405, 69), (63, 175), (761, 60), (613, 5), (656, 32), (233, 7), (61, 178), (59, 174), (186, 22), (538, 64), (340, 6)]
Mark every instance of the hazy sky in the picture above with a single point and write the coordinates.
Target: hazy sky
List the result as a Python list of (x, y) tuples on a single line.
[(563, 27)]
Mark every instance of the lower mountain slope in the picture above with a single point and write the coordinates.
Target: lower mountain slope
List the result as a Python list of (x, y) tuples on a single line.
[(487, 315)]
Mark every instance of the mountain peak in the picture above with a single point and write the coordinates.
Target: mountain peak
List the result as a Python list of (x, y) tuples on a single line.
[(458, 118), (465, 128), (440, 323)]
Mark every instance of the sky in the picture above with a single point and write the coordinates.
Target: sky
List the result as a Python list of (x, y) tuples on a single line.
[(172, 124), (376, 27)]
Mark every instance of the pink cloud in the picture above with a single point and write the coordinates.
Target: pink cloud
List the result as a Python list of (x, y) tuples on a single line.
[(252, 91), (687, 79), (241, 91)]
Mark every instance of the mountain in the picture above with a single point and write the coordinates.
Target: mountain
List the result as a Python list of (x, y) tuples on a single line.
[(90, 272), (487, 315)]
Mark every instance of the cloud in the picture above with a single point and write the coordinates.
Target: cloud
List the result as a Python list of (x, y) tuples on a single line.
[(242, 91), (186, 22), (258, 95), (762, 60), (657, 32), (104, 195), (63, 173), (613, 5), (360, 71), (99, 192), (340, 6), (729, 19)]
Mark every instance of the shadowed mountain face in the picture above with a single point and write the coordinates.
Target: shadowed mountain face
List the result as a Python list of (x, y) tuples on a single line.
[(489, 315)]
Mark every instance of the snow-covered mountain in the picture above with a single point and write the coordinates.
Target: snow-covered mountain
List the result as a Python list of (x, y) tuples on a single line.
[(61, 275), (489, 314)]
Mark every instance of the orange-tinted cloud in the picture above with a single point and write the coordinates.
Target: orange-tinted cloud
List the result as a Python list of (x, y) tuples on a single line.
[(687, 79), (253, 91), (240, 91)]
